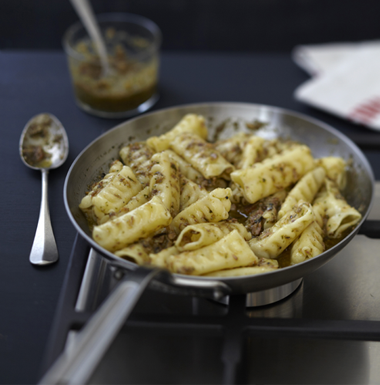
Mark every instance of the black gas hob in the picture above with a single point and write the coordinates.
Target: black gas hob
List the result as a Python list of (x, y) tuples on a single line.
[(325, 332)]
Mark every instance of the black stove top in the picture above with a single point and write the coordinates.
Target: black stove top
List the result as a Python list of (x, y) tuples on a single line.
[(325, 332)]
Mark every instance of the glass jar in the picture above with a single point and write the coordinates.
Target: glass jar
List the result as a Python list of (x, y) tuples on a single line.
[(129, 86)]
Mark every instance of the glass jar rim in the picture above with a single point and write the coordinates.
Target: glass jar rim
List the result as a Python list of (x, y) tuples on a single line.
[(141, 21)]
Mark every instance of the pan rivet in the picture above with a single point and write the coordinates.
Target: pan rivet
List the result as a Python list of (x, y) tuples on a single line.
[(119, 274)]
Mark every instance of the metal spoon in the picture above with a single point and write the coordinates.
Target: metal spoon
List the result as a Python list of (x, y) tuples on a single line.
[(86, 14), (44, 146)]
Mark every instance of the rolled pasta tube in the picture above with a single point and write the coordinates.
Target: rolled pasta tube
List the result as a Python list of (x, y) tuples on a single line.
[(340, 215), (135, 154), (189, 123), (190, 192), (136, 253), (115, 194), (116, 166), (241, 271), (123, 186), (319, 213), (138, 200), (270, 148), (165, 181), (143, 174), (232, 148), (264, 265), (139, 252), (86, 204), (275, 146), (305, 190), (308, 245), (130, 227), (237, 195), (214, 207), (172, 250), (273, 241), (201, 155), (267, 262), (230, 251), (159, 259), (335, 168), (252, 152), (202, 234), (274, 174), (186, 169)]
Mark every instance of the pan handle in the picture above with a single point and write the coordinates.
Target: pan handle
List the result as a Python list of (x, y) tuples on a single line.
[(201, 288), (370, 228), (76, 364)]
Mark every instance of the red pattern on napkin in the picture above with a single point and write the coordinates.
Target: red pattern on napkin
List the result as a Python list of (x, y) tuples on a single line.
[(366, 112)]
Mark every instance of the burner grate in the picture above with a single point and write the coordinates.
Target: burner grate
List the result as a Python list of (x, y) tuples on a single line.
[(197, 317)]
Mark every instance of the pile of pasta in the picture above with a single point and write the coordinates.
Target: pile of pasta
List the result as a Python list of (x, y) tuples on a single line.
[(174, 201)]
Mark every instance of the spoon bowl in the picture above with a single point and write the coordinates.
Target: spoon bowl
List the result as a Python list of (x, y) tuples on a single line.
[(44, 146), (44, 143)]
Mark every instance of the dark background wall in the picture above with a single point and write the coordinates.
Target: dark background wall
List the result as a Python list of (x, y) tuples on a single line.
[(212, 25)]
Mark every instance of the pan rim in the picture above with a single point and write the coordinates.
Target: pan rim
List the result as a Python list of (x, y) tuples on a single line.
[(188, 279)]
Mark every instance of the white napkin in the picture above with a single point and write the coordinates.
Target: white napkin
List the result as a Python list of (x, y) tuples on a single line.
[(345, 82)]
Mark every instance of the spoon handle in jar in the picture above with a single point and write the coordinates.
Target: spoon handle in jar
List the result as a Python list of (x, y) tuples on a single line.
[(86, 14), (44, 250)]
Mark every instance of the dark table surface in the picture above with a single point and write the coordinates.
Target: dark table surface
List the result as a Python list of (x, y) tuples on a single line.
[(34, 82)]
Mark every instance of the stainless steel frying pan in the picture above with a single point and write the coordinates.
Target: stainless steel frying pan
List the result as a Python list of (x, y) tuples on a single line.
[(96, 158)]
